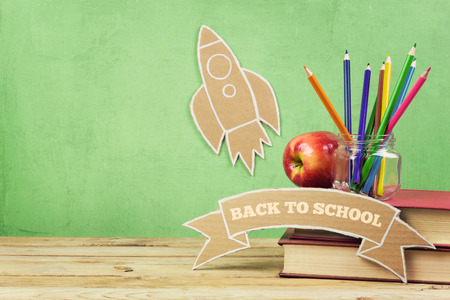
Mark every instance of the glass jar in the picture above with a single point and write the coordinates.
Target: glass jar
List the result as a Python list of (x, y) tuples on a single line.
[(367, 165)]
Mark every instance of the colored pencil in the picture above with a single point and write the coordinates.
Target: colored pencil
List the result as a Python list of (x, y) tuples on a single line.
[(405, 86), (397, 88), (388, 113), (386, 116), (377, 161), (326, 102), (376, 124), (371, 181), (371, 129), (348, 105), (386, 86), (384, 104), (347, 94), (414, 90), (362, 125)]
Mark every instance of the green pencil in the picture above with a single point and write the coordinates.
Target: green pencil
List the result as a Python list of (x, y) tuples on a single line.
[(387, 115)]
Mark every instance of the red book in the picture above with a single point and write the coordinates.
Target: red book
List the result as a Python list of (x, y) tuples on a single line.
[(421, 199)]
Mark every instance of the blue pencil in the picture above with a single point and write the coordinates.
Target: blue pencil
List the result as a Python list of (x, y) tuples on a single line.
[(405, 86), (362, 126), (347, 94), (348, 105), (372, 174)]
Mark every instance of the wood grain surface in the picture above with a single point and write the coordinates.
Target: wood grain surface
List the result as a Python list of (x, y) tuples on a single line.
[(161, 268)]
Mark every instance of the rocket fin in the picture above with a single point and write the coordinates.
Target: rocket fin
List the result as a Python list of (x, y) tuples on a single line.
[(206, 120), (266, 101), (245, 141)]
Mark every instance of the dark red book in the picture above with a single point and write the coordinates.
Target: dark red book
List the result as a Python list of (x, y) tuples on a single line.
[(336, 259)]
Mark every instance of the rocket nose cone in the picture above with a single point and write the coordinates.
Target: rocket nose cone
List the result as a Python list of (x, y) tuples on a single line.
[(207, 36)]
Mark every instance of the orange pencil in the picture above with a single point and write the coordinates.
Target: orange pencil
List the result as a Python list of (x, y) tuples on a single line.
[(326, 102)]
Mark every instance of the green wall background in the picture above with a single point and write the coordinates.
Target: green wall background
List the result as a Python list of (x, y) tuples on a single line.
[(96, 134)]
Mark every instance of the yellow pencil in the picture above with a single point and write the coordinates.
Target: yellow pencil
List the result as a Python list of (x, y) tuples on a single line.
[(326, 102), (384, 103)]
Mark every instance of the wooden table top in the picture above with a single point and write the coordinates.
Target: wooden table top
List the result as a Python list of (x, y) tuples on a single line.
[(161, 268)]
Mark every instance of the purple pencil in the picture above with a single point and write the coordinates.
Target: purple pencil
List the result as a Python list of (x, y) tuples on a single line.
[(362, 126)]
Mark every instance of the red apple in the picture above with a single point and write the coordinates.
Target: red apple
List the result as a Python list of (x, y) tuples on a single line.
[(308, 159)]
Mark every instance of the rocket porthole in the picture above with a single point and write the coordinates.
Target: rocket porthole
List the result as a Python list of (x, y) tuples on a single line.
[(219, 66), (229, 90)]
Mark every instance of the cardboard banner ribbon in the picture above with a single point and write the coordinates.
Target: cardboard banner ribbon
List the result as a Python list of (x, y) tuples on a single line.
[(384, 235)]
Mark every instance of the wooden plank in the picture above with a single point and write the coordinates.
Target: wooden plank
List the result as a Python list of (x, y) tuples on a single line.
[(120, 242), (219, 292), (126, 266), (127, 251), (103, 242), (210, 279), (141, 268)]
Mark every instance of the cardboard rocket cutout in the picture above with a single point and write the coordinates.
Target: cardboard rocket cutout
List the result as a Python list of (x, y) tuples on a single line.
[(232, 102)]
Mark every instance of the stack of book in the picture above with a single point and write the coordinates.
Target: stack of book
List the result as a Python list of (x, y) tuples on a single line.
[(324, 254)]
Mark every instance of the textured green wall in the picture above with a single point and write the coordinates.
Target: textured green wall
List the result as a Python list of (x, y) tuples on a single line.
[(96, 134)]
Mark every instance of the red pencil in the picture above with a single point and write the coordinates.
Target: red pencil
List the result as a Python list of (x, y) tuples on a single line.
[(412, 93)]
